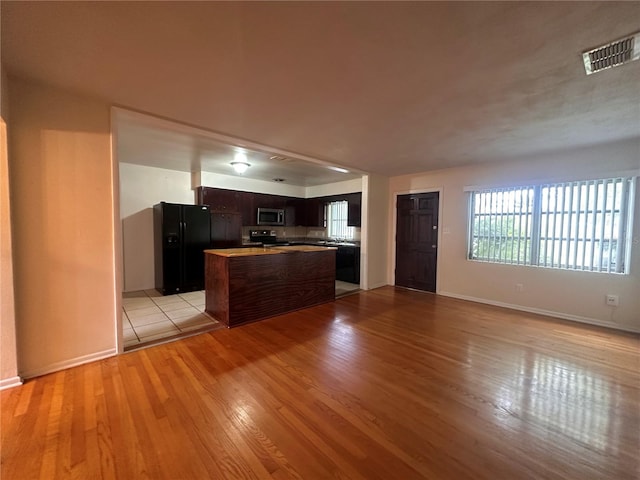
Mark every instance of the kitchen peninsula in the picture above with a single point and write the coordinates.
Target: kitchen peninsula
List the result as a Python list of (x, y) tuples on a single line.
[(244, 285)]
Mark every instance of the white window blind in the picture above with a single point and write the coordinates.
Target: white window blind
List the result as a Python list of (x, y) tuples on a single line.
[(337, 228), (582, 225)]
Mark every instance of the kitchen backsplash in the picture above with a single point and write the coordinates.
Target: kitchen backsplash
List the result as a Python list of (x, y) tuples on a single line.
[(292, 233)]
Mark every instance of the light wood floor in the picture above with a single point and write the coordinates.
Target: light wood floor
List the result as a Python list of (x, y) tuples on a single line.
[(386, 384)]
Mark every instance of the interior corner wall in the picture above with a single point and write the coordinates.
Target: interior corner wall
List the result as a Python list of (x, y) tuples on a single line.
[(140, 189), (375, 207), (8, 354), (61, 179), (243, 184), (336, 188), (573, 295)]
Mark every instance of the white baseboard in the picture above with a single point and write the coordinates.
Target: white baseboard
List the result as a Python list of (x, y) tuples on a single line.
[(73, 362), (377, 285), (548, 313), (10, 382)]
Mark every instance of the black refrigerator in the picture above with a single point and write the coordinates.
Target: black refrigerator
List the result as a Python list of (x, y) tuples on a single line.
[(181, 234)]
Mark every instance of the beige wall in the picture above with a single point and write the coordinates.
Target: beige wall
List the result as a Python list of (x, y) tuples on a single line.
[(8, 354), (569, 294), (375, 207), (63, 224)]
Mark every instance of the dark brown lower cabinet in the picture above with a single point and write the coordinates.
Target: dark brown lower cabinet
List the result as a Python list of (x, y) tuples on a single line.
[(307, 212), (348, 264)]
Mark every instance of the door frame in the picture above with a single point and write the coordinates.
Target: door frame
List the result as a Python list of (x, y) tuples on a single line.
[(394, 227)]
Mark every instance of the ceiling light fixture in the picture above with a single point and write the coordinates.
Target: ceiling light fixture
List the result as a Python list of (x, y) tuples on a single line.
[(240, 163), (339, 169), (240, 167)]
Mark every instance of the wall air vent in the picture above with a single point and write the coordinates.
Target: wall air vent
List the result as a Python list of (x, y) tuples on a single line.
[(613, 54)]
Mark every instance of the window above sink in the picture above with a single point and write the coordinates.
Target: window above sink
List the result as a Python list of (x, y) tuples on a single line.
[(337, 214)]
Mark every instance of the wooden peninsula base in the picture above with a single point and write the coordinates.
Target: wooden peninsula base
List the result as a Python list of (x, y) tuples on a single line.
[(248, 284)]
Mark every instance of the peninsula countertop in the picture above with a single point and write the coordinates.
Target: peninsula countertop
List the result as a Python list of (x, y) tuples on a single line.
[(251, 251)]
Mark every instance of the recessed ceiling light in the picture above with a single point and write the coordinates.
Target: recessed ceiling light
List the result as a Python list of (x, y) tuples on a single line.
[(339, 169)]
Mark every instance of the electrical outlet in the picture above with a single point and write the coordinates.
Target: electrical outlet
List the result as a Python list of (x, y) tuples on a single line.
[(612, 300), (519, 287)]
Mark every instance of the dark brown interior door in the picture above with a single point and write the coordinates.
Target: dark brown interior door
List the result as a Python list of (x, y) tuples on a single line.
[(417, 241)]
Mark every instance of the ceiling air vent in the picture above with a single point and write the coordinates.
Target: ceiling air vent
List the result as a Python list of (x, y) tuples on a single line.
[(278, 158), (613, 54)]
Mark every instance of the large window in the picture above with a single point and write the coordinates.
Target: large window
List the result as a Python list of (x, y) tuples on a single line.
[(336, 218), (581, 225)]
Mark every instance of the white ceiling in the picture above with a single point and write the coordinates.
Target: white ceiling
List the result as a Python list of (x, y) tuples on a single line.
[(146, 140), (384, 87)]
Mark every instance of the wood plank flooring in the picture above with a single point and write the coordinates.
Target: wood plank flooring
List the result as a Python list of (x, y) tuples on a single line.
[(385, 384)]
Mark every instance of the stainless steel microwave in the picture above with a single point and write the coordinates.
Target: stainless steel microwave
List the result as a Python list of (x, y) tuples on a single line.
[(270, 216)]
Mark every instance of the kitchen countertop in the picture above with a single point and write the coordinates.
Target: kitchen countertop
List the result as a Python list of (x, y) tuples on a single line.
[(241, 252), (302, 248), (252, 251), (305, 241)]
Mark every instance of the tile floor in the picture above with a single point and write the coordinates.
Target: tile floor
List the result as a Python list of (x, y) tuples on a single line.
[(345, 288), (149, 316)]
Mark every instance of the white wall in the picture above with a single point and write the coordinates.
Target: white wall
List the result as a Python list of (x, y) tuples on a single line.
[(140, 189), (375, 228), (568, 294), (337, 188), (62, 211), (243, 184)]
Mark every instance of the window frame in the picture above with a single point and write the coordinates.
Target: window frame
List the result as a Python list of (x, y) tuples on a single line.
[(539, 240), (329, 222)]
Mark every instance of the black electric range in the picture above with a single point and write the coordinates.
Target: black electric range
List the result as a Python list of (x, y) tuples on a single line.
[(265, 237)]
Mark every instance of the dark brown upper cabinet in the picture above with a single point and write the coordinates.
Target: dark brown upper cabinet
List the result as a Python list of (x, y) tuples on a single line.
[(354, 212), (315, 212), (295, 212), (264, 200), (307, 212), (248, 210), (229, 201), (219, 199)]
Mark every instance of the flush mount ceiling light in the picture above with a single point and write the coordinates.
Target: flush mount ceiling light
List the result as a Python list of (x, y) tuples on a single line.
[(612, 54), (240, 167), (338, 169), (240, 163)]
